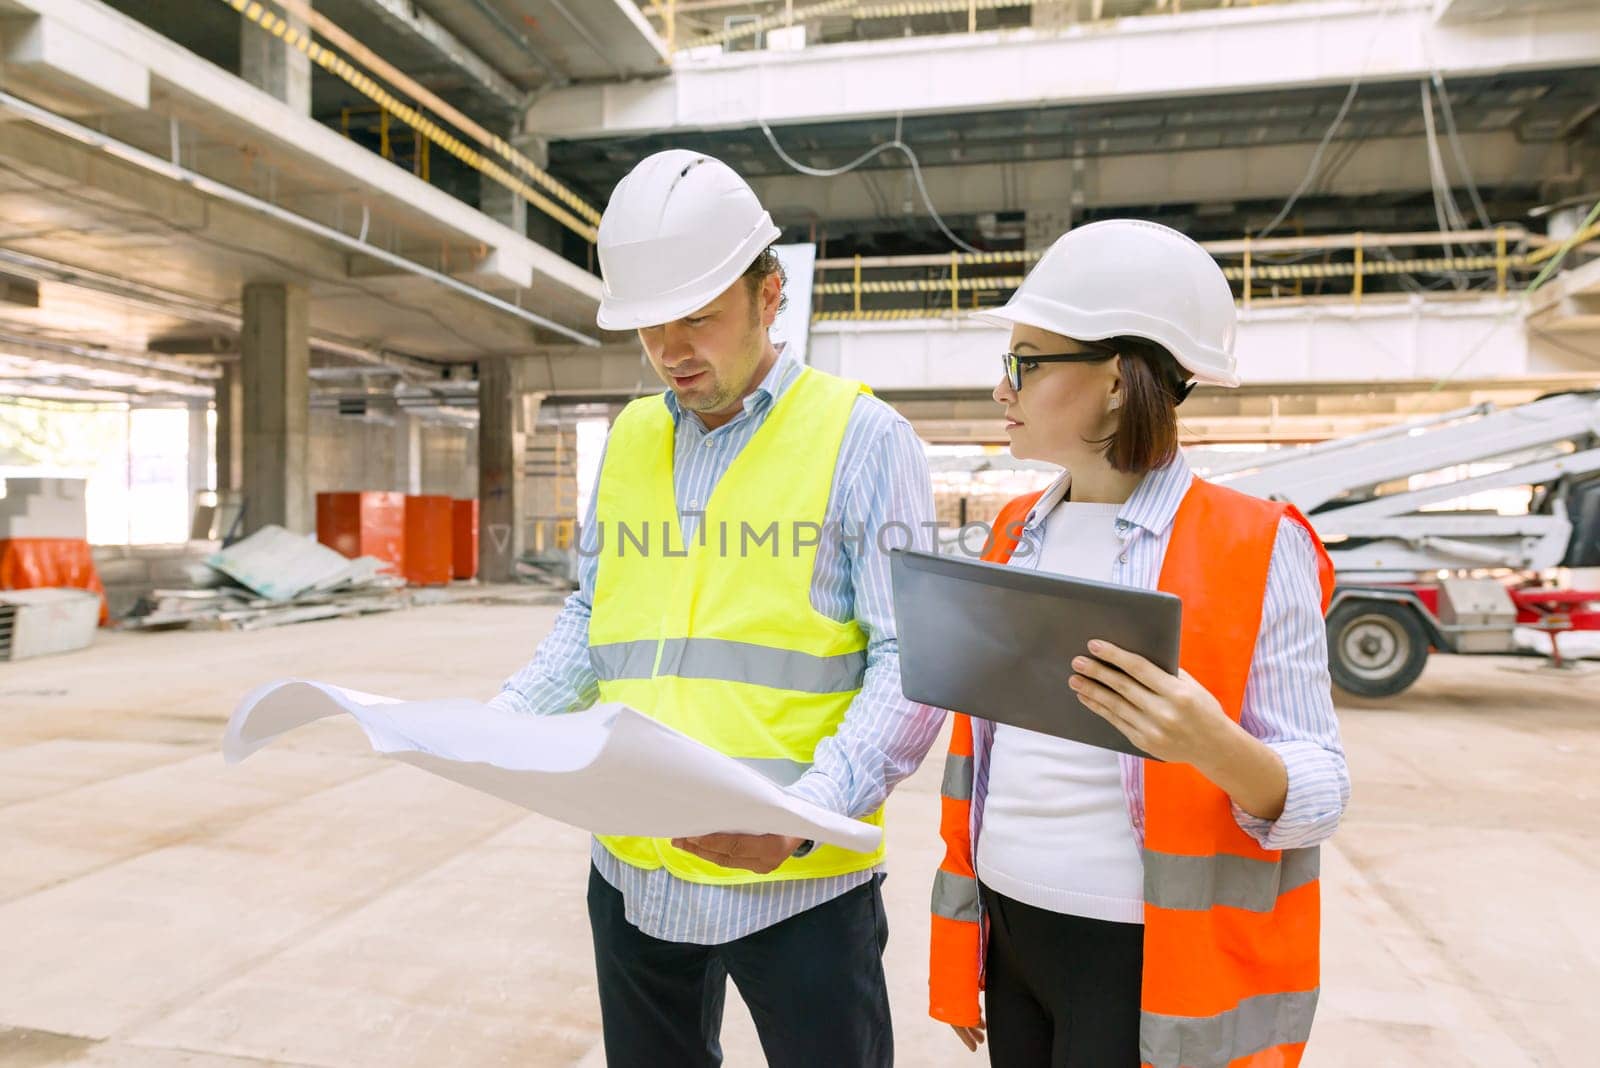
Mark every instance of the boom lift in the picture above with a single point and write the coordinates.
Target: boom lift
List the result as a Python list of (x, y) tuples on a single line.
[(1416, 575)]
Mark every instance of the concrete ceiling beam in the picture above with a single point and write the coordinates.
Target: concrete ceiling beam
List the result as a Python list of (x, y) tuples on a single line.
[(1197, 54)]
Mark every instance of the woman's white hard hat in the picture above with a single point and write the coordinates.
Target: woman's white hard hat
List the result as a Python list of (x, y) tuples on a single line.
[(1131, 278), (679, 229)]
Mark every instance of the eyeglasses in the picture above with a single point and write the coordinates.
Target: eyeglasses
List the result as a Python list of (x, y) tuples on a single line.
[(1091, 353)]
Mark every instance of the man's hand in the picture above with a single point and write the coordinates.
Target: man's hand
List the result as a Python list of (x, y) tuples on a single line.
[(760, 853)]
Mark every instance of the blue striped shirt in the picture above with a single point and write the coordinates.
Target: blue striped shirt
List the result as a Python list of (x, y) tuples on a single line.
[(880, 479), (1288, 699)]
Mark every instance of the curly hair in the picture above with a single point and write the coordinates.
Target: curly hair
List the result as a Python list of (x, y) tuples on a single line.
[(763, 267)]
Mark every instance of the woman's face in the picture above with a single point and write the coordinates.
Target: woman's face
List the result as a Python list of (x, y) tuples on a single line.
[(1062, 407)]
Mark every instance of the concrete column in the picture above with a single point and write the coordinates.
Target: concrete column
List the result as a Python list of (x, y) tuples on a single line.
[(407, 453), (269, 64), (502, 467), (276, 359), (199, 455), (229, 399), (505, 206)]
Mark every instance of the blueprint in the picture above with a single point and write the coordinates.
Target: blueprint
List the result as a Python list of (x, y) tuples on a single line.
[(608, 770)]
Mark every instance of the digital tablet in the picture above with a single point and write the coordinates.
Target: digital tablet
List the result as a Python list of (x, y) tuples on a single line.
[(998, 642)]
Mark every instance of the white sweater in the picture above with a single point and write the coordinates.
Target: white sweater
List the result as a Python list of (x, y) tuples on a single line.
[(1055, 830)]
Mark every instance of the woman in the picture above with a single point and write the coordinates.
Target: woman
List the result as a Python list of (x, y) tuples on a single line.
[(1118, 911)]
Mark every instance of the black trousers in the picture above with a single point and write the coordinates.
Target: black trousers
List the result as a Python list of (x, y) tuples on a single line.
[(814, 985), (1062, 991)]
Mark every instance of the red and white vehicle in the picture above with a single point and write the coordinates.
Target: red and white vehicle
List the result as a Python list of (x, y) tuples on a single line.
[(1416, 576)]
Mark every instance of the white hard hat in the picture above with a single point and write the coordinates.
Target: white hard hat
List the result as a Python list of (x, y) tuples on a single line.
[(680, 228), (1130, 278)]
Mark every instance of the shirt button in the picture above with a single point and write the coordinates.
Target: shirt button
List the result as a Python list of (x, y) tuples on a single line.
[(709, 443), (1121, 559), (694, 504)]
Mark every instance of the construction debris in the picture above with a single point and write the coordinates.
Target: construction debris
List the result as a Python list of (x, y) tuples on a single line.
[(275, 577), (280, 566), (281, 578)]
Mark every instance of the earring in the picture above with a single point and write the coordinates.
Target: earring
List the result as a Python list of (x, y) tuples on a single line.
[(1116, 402)]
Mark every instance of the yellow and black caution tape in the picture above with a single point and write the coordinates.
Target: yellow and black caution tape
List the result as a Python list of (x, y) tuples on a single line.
[(1437, 265), (908, 8), (887, 314), (963, 259), (918, 285), (579, 220), (1258, 273), (967, 258)]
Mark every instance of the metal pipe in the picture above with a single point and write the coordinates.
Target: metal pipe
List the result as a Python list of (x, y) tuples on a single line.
[(138, 294), (195, 375), (137, 156)]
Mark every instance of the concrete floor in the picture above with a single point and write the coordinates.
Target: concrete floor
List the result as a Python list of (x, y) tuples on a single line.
[(321, 906)]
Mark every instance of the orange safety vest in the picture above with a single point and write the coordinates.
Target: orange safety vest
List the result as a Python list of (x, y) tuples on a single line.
[(1230, 929)]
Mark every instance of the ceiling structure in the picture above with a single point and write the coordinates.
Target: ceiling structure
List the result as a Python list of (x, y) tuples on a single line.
[(127, 281), (1542, 109)]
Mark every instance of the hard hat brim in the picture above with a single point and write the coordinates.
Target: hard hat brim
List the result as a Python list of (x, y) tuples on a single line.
[(1080, 325)]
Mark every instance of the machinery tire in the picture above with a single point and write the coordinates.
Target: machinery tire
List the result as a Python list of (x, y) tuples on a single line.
[(1375, 648)]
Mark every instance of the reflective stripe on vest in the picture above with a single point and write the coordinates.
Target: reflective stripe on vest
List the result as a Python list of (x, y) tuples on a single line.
[(733, 661), (1231, 929), (725, 645), (1259, 1024), (955, 897), (783, 772), (957, 784), (1191, 883)]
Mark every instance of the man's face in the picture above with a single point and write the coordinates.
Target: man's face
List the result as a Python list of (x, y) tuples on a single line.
[(713, 357)]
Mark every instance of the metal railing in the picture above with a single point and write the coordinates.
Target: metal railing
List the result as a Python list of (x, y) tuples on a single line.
[(1261, 271), (679, 20), (519, 174)]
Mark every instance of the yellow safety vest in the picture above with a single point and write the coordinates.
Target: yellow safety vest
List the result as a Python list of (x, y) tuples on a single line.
[(718, 638)]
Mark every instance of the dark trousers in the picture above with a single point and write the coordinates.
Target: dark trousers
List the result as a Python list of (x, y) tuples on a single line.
[(814, 985), (1061, 991)]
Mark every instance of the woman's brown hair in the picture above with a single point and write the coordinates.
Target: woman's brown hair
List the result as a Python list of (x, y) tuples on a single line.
[(1147, 426)]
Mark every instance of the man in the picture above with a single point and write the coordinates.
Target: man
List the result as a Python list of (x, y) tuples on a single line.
[(735, 584)]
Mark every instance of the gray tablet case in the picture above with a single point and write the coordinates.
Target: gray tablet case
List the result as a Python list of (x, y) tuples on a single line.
[(997, 642)]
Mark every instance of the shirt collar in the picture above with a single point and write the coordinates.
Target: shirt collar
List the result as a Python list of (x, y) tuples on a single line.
[(1152, 507), (785, 369)]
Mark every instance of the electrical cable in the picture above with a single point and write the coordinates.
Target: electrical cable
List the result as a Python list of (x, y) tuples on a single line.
[(1333, 128), (1455, 148), (1447, 215), (896, 145)]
